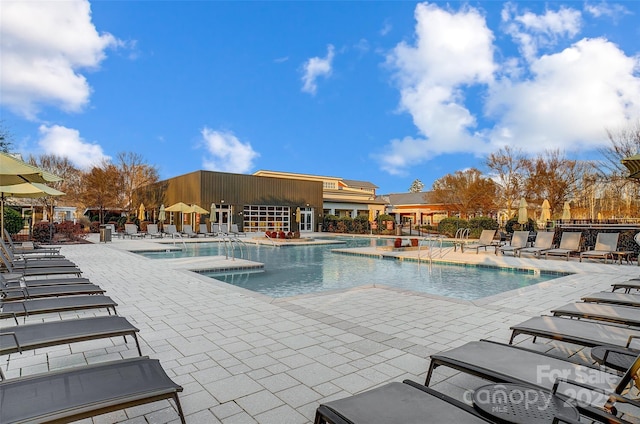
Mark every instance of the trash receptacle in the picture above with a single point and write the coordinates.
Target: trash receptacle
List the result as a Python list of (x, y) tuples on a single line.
[(105, 233), (399, 229), (319, 228)]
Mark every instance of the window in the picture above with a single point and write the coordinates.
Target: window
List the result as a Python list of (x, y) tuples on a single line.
[(266, 218)]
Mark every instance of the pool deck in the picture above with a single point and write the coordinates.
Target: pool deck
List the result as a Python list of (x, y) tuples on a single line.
[(247, 358)]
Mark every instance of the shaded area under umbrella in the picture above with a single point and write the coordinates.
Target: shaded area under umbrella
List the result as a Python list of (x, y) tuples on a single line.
[(25, 190), (179, 207)]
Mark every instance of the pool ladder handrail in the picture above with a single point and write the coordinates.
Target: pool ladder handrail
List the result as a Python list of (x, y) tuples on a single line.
[(229, 241), (431, 243), (270, 239)]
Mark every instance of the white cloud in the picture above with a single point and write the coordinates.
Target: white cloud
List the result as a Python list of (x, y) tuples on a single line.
[(569, 100), (316, 67), (606, 9), (44, 46), (564, 99), (452, 50), (226, 152), (66, 142), (534, 32)]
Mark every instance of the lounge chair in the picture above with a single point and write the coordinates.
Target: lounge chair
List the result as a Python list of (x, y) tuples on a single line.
[(25, 254), (512, 364), (32, 260), (51, 269), (584, 333), (235, 231), (15, 280), (542, 243), (519, 241), (606, 244), (131, 230), (217, 231), (53, 333), (170, 230), (187, 230), (22, 293), (460, 238), (407, 403), (81, 392), (617, 314), (54, 305), (569, 243), (205, 231), (628, 299), (153, 231), (627, 286), (28, 247), (485, 240)]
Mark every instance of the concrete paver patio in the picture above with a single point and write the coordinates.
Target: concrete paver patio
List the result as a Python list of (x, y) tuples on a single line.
[(247, 358)]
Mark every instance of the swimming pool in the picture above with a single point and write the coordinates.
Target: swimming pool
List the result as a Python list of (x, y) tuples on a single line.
[(295, 270)]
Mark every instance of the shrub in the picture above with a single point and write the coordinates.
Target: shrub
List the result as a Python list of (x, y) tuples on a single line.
[(296, 234), (449, 226), (70, 231), (12, 220), (42, 232), (513, 224), (481, 223), (397, 242), (281, 234)]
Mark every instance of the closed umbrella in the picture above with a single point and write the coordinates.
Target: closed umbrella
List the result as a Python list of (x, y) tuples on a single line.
[(523, 217), (566, 211), (213, 217), (546, 211), (141, 212), (162, 214)]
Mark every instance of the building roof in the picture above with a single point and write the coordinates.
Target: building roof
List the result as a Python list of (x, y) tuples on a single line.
[(360, 184), (421, 198)]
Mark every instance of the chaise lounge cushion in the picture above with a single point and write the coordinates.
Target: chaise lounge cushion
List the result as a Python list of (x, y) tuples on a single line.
[(80, 392)]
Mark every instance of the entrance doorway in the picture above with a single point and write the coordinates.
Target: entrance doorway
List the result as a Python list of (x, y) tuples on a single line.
[(306, 220)]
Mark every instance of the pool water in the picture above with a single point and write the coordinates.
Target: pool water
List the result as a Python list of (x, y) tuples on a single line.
[(295, 270)]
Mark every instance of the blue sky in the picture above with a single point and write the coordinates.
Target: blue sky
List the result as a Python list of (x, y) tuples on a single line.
[(385, 92)]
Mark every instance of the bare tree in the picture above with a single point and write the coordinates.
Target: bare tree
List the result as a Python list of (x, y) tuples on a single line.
[(6, 138), (467, 192), (553, 177), (135, 173), (71, 183), (416, 186), (507, 166)]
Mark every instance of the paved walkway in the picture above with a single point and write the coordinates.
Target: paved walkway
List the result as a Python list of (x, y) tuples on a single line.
[(246, 358)]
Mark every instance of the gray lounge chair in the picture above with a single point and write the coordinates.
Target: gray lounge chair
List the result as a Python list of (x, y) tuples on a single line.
[(81, 392), (131, 230), (543, 242), (187, 230), (617, 314), (16, 280), (218, 231), (407, 403), (235, 231), (569, 243), (512, 364), (25, 261), (54, 305), (627, 286), (629, 299), (205, 231), (485, 240), (153, 231), (606, 244), (21, 293), (519, 240), (584, 333), (51, 269), (53, 333), (170, 230), (29, 247)]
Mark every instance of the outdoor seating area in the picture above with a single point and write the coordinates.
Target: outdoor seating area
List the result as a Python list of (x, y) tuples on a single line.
[(601, 388), (81, 391)]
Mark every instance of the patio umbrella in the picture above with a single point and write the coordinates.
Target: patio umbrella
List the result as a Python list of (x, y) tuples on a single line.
[(14, 171), (25, 190), (141, 212), (566, 211), (162, 215), (179, 207), (213, 217), (633, 165), (546, 211), (522, 212), (193, 209)]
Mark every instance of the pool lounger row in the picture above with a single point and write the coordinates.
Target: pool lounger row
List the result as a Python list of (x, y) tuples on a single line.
[(79, 392)]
